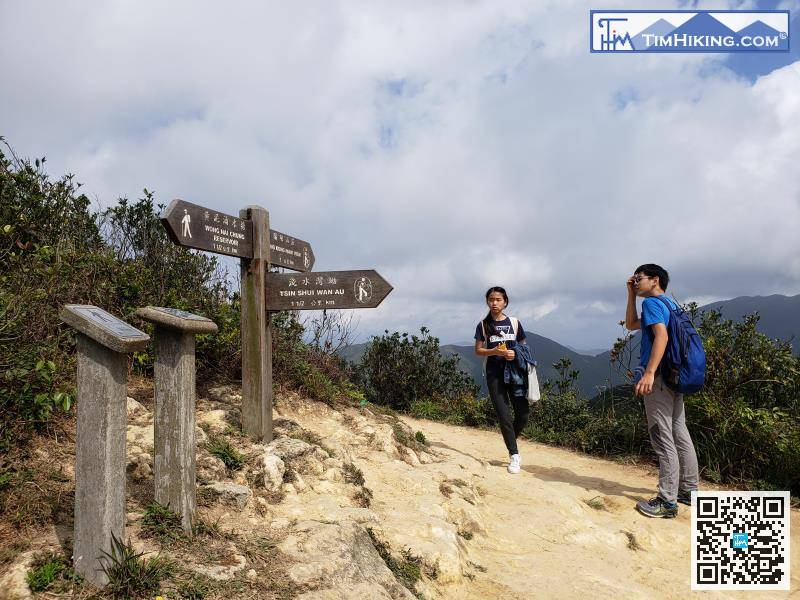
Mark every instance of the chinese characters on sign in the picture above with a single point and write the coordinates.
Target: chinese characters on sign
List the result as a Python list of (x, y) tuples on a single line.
[(326, 290), (196, 227), (289, 252)]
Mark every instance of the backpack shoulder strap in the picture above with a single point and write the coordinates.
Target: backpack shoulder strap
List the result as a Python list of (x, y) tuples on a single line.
[(667, 304), (514, 325)]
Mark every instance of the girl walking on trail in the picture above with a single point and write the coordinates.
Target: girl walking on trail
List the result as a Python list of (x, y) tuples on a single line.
[(495, 339)]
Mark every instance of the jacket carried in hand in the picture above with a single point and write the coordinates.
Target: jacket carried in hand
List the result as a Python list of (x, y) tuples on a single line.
[(515, 373)]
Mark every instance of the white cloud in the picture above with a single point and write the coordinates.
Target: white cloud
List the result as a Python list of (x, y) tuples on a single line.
[(452, 146)]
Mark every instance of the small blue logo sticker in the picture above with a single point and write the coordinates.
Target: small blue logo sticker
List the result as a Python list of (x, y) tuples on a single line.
[(739, 540)]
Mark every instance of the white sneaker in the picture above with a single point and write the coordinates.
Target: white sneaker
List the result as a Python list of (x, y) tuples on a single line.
[(514, 463)]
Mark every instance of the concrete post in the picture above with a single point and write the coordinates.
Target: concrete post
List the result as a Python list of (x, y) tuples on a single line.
[(175, 391), (102, 342)]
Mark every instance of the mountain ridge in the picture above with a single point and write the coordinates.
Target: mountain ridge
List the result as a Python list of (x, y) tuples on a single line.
[(779, 319)]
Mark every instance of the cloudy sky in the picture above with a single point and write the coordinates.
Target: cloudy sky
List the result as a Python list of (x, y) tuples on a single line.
[(449, 145)]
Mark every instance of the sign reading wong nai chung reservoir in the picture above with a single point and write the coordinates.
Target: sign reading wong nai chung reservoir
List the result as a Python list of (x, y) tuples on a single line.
[(689, 31)]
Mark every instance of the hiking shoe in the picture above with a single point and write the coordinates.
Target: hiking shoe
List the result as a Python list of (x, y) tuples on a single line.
[(685, 497), (514, 463), (657, 508)]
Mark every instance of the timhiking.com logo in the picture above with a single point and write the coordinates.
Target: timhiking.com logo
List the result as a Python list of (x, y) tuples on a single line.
[(689, 31)]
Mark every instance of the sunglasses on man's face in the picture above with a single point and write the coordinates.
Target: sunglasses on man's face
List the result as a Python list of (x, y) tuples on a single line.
[(638, 278)]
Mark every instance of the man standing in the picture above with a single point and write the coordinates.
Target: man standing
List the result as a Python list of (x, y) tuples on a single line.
[(666, 421)]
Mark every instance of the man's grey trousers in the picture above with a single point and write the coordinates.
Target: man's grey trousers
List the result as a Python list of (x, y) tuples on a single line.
[(677, 460)]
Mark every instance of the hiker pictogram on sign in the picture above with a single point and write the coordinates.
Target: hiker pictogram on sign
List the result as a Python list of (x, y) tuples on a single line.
[(186, 221), (363, 290)]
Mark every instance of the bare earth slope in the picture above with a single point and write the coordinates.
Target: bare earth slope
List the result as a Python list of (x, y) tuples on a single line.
[(350, 504), (535, 536)]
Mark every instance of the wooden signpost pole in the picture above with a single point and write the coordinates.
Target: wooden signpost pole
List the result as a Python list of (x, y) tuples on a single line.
[(256, 332), (250, 238)]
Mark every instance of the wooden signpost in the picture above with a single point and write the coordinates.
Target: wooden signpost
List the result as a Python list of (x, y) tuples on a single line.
[(194, 226), (198, 227), (250, 238), (289, 252), (326, 290)]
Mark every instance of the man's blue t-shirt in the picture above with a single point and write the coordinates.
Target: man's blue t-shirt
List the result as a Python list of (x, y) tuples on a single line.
[(505, 333), (653, 311)]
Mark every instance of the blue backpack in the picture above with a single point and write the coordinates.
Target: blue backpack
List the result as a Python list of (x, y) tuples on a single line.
[(683, 367)]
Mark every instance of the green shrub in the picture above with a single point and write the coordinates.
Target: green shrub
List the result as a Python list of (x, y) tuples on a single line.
[(745, 422), (54, 250), (427, 409), (398, 371)]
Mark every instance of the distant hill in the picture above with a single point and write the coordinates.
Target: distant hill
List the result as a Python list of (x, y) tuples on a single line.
[(594, 372), (780, 315), (780, 318)]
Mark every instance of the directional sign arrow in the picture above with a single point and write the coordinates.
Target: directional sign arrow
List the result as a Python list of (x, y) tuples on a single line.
[(287, 251), (326, 290), (198, 227)]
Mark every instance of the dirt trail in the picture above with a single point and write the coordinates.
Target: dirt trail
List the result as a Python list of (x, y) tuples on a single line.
[(538, 537)]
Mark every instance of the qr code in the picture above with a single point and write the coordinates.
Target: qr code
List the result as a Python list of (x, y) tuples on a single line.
[(740, 540)]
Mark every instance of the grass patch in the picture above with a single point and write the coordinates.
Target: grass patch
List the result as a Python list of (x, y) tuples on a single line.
[(232, 431), (33, 492), (445, 490), (273, 496), (477, 567), (161, 523), (420, 438), (404, 437), (633, 543), (381, 409), (596, 503), (289, 475), (205, 496), (352, 474), (51, 572), (192, 589), (467, 535), (129, 574), (207, 529), (309, 437), (363, 497), (355, 476), (407, 569), (222, 449), (10, 550)]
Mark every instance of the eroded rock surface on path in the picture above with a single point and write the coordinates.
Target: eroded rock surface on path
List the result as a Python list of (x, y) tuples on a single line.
[(355, 504), (566, 525)]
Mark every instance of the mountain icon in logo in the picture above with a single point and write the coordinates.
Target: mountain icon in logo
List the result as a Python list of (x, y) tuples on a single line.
[(660, 28), (759, 28), (704, 24)]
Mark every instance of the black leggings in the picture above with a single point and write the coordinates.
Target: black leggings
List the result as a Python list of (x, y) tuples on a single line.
[(503, 399)]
